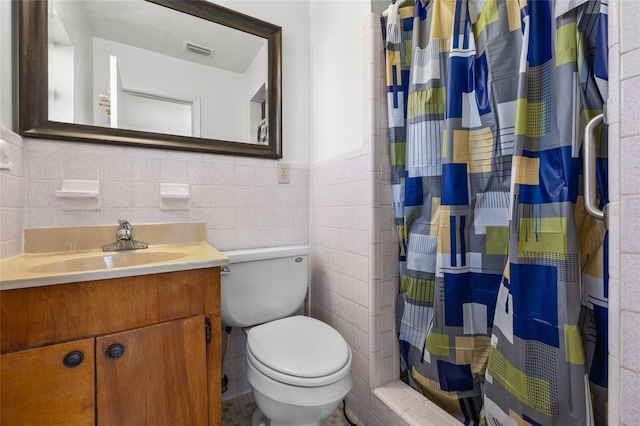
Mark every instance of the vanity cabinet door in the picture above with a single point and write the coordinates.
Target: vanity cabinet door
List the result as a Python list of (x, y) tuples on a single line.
[(154, 375), (50, 385)]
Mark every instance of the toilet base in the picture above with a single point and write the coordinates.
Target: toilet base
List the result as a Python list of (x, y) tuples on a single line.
[(259, 419)]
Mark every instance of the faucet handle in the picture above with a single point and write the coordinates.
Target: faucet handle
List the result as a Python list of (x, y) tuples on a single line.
[(124, 230)]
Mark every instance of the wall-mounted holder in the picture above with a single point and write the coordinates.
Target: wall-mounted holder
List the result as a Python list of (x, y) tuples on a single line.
[(79, 195), (174, 196), (5, 163)]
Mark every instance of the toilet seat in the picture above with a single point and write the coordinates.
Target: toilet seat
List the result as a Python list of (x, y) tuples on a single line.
[(299, 351)]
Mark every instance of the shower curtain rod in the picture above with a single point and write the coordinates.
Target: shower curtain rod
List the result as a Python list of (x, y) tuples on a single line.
[(400, 4)]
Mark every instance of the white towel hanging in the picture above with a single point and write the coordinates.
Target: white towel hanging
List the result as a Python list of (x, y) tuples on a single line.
[(395, 6)]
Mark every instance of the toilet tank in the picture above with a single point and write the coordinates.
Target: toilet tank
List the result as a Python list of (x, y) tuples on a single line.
[(264, 284)]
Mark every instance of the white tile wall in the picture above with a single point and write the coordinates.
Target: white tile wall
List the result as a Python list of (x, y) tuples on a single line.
[(624, 192), (12, 196), (234, 364), (239, 198), (352, 243)]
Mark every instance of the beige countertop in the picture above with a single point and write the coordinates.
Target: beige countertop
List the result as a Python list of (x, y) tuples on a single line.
[(61, 255)]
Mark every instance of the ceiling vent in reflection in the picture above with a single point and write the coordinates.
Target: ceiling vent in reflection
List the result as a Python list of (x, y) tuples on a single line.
[(197, 48)]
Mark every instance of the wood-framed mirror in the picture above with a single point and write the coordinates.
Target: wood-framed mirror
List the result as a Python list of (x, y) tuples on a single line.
[(174, 74)]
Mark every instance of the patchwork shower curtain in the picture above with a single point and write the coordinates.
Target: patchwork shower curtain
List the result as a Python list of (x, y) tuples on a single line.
[(502, 310)]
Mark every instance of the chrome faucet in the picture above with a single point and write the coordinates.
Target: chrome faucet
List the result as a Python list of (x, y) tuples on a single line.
[(124, 239)]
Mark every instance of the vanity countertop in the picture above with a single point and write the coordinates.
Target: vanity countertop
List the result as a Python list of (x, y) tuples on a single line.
[(55, 256)]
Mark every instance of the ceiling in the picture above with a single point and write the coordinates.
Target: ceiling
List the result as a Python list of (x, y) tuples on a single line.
[(162, 30)]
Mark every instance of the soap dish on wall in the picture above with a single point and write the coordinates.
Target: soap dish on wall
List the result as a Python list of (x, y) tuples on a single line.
[(174, 196), (79, 195)]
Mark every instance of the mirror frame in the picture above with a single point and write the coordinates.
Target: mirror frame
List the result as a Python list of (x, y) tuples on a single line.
[(33, 85)]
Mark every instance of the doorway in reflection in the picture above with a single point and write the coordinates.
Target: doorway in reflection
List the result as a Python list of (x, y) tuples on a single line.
[(154, 113)]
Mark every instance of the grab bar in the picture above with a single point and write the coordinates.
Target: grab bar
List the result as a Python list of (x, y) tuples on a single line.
[(590, 201)]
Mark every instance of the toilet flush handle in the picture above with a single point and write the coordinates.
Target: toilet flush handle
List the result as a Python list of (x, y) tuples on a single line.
[(225, 270)]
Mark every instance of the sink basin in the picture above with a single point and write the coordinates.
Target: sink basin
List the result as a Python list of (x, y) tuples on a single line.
[(72, 254), (108, 260)]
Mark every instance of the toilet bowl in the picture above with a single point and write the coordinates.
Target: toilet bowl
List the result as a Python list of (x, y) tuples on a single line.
[(299, 368)]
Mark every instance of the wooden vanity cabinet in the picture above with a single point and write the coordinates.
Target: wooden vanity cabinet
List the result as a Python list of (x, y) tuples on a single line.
[(153, 375), (37, 388), (150, 349)]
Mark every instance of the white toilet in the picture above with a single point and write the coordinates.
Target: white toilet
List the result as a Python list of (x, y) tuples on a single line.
[(299, 368)]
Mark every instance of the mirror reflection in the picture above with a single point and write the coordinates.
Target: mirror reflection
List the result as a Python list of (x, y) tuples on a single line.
[(140, 66)]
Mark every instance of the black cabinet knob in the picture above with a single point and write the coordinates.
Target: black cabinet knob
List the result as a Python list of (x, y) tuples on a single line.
[(73, 359), (115, 351)]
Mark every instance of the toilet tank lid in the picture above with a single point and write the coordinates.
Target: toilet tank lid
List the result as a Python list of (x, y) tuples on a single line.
[(248, 255)]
